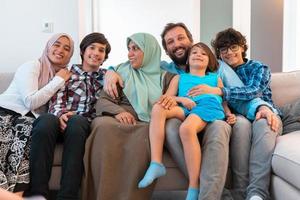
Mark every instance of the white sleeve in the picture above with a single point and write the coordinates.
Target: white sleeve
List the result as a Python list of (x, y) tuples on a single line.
[(26, 79)]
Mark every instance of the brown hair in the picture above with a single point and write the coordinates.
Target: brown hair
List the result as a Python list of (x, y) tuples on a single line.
[(227, 38), (170, 26), (94, 38), (213, 64)]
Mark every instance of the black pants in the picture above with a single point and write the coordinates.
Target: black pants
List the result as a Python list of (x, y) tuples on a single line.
[(45, 134)]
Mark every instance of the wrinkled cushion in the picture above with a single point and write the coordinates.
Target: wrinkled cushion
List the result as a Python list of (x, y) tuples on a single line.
[(291, 117), (286, 158)]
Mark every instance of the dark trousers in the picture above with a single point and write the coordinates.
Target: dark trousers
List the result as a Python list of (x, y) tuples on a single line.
[(45, 133)]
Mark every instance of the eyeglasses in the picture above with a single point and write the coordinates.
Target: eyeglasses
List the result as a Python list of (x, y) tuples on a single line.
[(233, 48)]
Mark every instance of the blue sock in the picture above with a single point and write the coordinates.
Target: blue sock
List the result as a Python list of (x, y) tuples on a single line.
[(192, 194), (154, 171)]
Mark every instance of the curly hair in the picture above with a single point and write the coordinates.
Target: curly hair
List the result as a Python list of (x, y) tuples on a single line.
[(227, 38)]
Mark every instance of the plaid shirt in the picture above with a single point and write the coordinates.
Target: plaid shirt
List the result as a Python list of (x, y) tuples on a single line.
[(79, 94), (256, 77)]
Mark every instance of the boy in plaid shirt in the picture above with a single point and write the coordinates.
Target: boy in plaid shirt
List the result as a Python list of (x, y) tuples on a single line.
[(70, 113)]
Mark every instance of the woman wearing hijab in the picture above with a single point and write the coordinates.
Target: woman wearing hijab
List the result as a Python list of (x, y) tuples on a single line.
[(26, 97), (117, 151)]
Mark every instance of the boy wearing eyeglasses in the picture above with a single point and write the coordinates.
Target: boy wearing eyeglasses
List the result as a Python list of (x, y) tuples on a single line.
[(252, 142)]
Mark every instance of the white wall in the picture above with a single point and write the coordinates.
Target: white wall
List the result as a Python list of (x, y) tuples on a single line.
[(291, 36), (21, 36), (118, 19)]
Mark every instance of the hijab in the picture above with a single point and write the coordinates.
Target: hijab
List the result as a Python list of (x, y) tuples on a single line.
[(143, 86), (47, 69)]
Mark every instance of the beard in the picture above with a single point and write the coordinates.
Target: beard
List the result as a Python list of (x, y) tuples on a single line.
[(179, 60)]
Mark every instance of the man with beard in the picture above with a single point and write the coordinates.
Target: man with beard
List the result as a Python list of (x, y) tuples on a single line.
[(177, 40)]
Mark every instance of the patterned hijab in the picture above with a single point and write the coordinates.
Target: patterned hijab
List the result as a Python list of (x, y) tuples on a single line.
[(47, 68), (143, 86)]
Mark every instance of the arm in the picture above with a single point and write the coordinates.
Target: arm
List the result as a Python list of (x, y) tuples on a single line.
[(206, 89), (230, 117), (58, 103), (167, 100), (111, 79), (260, 80), (27, 83), (106, 105)]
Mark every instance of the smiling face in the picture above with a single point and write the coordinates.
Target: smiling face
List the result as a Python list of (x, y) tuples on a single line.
[(198, 58), (93, 57), (233, 56), (135, 55), (177, 45), (59, 52)]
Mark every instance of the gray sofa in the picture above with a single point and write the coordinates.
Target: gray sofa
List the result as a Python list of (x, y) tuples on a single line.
[(286, 159)]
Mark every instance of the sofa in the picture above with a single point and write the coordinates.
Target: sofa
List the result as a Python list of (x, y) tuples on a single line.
[(285, 180)]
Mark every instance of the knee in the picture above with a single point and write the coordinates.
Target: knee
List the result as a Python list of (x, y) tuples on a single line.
[(157, 110), (186, 132), (261, 128), (78, 126), (217, 132), (242, 128), (46, 125)]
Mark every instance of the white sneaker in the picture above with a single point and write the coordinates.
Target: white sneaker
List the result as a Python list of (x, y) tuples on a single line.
[(255, 197)]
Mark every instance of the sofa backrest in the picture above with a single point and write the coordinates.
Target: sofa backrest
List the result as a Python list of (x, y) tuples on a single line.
[(5, 79), (285, 87)]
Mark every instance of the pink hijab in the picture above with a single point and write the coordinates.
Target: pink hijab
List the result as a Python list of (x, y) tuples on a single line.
[(47, 68)]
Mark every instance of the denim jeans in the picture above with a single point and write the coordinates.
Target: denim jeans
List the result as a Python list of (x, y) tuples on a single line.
[(251, 149), (215, 149), (45, 134)]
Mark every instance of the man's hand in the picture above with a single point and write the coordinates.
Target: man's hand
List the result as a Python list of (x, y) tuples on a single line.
[(126, 118), (167, 102), (64, 119), (204, 89), (267, 113), (111, 79)]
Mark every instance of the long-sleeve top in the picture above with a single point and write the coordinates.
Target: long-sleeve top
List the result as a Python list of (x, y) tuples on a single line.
[(107, 106), (23, 94), (256, 78), (79, 94)]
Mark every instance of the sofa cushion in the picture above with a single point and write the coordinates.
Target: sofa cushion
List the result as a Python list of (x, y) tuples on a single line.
[(285, 87), (286, 158)]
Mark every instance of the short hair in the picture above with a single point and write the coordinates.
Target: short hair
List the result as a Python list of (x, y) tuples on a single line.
[(170, 26), (94, 38), (227, 38), (213, 63)]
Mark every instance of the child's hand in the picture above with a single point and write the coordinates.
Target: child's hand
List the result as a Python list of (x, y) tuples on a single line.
[(188, 103), (231, 118), (126, 118), (167, 102), (63, 119)]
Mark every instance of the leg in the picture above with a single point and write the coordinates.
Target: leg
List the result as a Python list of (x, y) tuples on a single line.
[(262, 147), (157, 136), (215, 148), (174, 145), (157, 128), (78, 129), (239, 156), (192, 152), (44, 135)]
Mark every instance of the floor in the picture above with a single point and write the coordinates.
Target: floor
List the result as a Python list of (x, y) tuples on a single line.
[(157, 195)]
